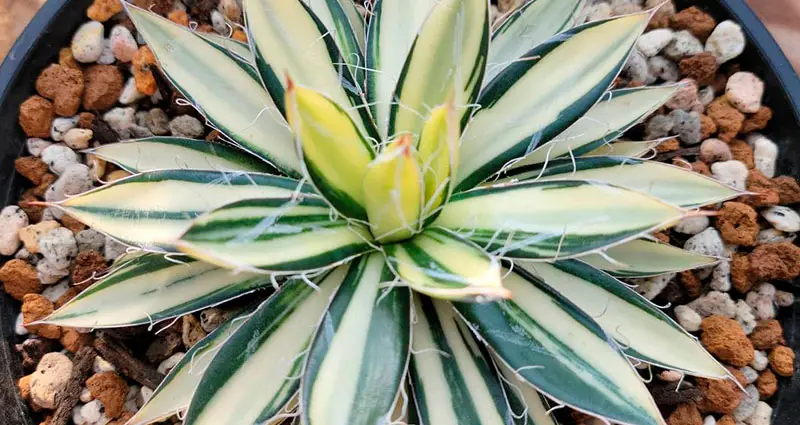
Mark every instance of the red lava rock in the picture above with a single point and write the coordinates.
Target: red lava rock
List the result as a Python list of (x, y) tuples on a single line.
[(34, 212), (707, 126), (73, 340), (728, 119), (65, 58), (86, 120), (719, 396), (24, 387), (19, 279), (110, 389), (103, 87), (122, 419), (767, 335), (725, 339), (32, 168), (143, 63), (767, 384), (742, 151), (726, 420), (39, 190), (788, 189), (740, 273), (668, 145), (767, 193), (36, 116), (72, 224), (180, 17), (685, 414), (103, 10), (239, 35), (781, 358), (88, 264), (775, 261), (738, 224), (758, 120), (64, 86), (701, 67), (690, 283), (36, 307), (697, 22)]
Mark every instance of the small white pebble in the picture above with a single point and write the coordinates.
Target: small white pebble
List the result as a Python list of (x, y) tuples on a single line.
[(774, 235), (745, 317), (100, 365), (120, 119), (77, 418), (744, 91), (760, 361), (688, 318), (123, 45), (60, 127), (683, 44), (54, 292), (130, 94), (784, 299), (765, 153), (707, 242), (19, 328), (36, 145), (78, 138), (709, 420), (107, 56), (692, 225), (714, 303), (731, 173), (87, 42), (750, 374), (726, 42), (761, 414), (652, 42), (167, 365), (782, 218), (706, 95), (92, 411), (650, 287), (12, 219), (670, 376), (721, 277), (86, 396), (59, 157)]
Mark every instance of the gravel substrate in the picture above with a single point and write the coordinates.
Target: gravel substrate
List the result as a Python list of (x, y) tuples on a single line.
[(106, 87)]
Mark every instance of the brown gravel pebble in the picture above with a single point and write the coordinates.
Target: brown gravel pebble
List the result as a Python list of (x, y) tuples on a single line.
[(87, 265), (742, 151), (701, 167), (239, 35), (143, 61), (685, 414), (163, 347), (738, 224), (758, 120), (86, 120), (740, 273), (34, 212), (738, 375), (728, 119), (668, 145), (47, 180), (65, 58), (36, 307), (19, 278), (103, 10), (180, 17), (110, 389), (767, 384), (64, 86), (707, 126), (690, 283), (701, 67), (788, 189), (122, 419), (781, 358), (73, 340), (24, 387), (32, 351), (161, 7), (103, 87), (719, 396), (726, 420), (725, 339), (767, 193), (699, 23), (72, 224), (36, 115), (661, 236), (32, 168), (192, 331), (775, 261)]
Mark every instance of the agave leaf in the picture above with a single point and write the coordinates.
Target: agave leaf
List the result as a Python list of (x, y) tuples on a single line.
[(392, 30), (158, 153), (438, 152), (333, 151), (674, 185), (153, 209), (553, 220), (237, 105), (257, 371), (644, 258), (527, 27), (279, 235), (287, 38), (342, 20), (632, 149), (644, 331), (562, 352), (523, 399), (440, 264), (452, 376), (616, 112), (152, 288), (532, 101), (447, 60), (176, 390), (358, 358), (233, 48)]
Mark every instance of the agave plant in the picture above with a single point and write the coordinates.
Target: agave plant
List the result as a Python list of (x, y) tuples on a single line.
[(432, 202)]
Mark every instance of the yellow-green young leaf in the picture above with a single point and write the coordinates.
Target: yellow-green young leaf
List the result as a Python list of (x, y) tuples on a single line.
[(287, 38), (442, 265), (393, 27), (448, 59), (532, 101), (626, 148), (438, 152), (334, 152), (238, 105), (645, 258), (393, 192), (346, 25)]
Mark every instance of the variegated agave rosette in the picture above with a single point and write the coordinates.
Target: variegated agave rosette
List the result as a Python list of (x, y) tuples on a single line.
[(438, 205)]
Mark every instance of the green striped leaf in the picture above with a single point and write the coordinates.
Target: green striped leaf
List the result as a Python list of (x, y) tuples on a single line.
[(257, 371), (176, 390), (609, 119), (453, 379), (342, 20), (448, 59), (288, 40), (233, 48), (335, 154), (393, 28), (532, 101), (524, 400), (358, 358), (280, 235), (562, 352), (645, 332), (674, 185), (527, 27), (645, 258), (553, 220), (627, 148), (153, 209), (238, 105), (158, 153), (443, 265), (151, 288)]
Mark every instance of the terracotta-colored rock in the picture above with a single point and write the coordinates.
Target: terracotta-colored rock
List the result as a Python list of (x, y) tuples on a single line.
[(740, 273), (707, 126), (668, 145), (103, 87), (24, 387), (758, 120), (65, 58), (88, 265), (110, 389), (766, 192), (701, 67), (701, 167), (34, 212), (103, 10), (72, 224), (36, 307), (697, 22), (742, 151), (775, 261), (161, 7), (206, 28), (767, 335), (19, 279), (719, 396), (36, 115), (239, 35), (690, 283), (738, 375), (86, 120), (122, 419), (47, 180), (728, 119), (767, 384), (788, 189), (781, 358), (32, 168), (64, 86), (685, 414), (180, 17), (73, 340), (725, 339), (661, 236), (738, 224), (143, 63), (726, 420)]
